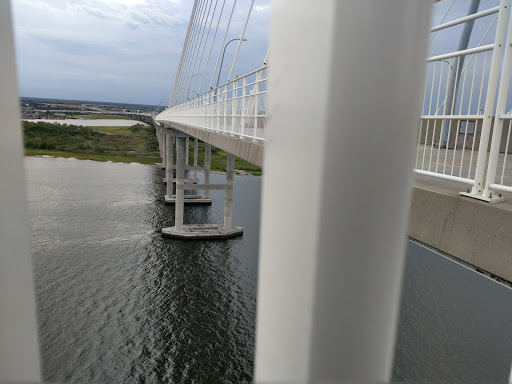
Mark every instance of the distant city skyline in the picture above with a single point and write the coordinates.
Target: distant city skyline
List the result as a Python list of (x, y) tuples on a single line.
[(123, 51)]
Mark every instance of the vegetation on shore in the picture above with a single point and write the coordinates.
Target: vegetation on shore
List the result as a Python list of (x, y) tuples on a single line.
[(137, 143)]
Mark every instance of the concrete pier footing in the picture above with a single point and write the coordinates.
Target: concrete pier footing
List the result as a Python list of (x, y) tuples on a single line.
[(202, 232), (180, 199), (189, 199), (191, 181)]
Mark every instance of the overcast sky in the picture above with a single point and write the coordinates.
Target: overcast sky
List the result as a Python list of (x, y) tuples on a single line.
[(129, 50), (119, 50)]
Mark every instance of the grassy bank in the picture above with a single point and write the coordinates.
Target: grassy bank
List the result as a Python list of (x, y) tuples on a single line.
[(137, 143)]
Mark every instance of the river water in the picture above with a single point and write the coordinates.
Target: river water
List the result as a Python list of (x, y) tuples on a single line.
[(90, 122), (118, 303)]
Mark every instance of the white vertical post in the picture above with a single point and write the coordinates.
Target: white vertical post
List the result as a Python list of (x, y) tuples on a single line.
[(164, 152), (228, 204), (330, 273), (256, 91), (500, 109), (225, 106), (242, 115), (187, 151), (233, 104), (169, 171), (179, 205), (494, 73), (19, 350), (207, 166), (196, 149)]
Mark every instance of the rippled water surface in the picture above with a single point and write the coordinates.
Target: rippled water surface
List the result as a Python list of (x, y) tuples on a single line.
[(117, 303)]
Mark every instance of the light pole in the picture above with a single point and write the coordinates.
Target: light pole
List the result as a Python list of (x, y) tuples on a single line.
[(222, 61)]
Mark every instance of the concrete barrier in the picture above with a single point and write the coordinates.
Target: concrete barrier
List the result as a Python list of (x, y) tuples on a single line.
[(475, 232)]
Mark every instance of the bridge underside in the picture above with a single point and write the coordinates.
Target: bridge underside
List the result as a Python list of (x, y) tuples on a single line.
[(248, 150)]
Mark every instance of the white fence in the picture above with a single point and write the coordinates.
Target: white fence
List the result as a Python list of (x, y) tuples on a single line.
[(464, 103), (237, 108), (460, 110)]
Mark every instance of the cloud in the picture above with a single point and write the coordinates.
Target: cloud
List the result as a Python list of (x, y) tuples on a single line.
[(119, 50)]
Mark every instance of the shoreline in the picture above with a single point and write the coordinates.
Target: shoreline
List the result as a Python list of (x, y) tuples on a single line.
[(119, 159)]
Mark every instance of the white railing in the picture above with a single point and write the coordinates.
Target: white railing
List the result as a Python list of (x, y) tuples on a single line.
[(237, 108), (459, 109)]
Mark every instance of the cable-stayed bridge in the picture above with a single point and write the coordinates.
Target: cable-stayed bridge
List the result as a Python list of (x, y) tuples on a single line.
[(335, 106), (337, 116)]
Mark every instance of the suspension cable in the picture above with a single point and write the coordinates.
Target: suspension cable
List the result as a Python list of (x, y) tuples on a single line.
[(211, 46), (194, 70), (191, 54), (222, 45), (187, 52), (197, 43), (182, 53), (240, 41)]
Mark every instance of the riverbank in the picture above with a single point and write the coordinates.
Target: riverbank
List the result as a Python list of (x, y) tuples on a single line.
[(128, 144), (92, 156)]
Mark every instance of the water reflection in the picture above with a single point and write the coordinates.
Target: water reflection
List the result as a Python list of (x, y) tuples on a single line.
[(116, 301)]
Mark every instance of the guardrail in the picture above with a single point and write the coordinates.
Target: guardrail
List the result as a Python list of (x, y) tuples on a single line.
[(459, 113), (460, 109), (237, 107)]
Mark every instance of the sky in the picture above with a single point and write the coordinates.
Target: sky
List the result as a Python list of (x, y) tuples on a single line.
[(123, 51), (128, 50)]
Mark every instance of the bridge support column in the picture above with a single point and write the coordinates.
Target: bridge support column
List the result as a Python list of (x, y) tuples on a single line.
[(180, 176), (196, 149), (169, 170), (228, 203), (164, 151), (170, 198), (202, 231), (207, 167), (186, 151)]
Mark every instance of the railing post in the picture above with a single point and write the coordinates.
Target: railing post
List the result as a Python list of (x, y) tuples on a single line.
[(478, 187), (500, 109), (257, 88), (233, 103), (242, 114), (205, 111), (218, 102), (225, 107)]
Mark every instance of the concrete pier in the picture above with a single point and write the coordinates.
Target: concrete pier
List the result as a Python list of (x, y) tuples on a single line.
[(187, 147), (197, 231), (163, 150), (169, 171), (207, 166), (180, 175), (196, 152), (228, 204)]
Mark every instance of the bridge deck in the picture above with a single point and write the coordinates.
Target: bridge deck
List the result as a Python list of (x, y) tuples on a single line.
[(246, 149)]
